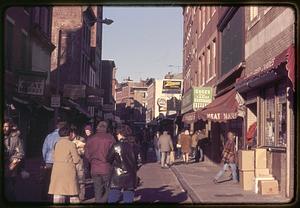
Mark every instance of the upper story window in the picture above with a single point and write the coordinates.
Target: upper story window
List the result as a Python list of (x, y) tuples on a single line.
[(213, 10), (203, 18), (207, 14), (253, 12)]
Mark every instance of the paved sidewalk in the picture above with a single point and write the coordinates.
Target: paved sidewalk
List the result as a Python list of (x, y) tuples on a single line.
[(196, 179)]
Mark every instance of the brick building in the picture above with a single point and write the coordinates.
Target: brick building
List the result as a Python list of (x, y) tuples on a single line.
[(28, 49), (80, 55), (131, 101), (267, 87)]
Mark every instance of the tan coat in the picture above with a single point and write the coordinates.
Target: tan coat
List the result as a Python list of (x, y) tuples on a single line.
[(185, 141), (63, 176), (165, 143)]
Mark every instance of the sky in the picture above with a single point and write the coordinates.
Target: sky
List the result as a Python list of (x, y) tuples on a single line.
[(143, 41)]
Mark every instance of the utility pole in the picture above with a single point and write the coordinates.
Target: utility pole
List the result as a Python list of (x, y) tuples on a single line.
[(57, 75)]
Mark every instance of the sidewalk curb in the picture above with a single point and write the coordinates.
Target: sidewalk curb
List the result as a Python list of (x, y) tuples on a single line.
[(185, 186)]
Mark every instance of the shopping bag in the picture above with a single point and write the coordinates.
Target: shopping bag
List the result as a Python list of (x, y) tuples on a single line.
[(172, 157)]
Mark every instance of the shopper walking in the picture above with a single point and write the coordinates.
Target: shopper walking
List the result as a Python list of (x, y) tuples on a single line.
[(195, 139), (165, 145), (229, 158), (156, 146), (79, 143), (124, 174), (185, 141), (96, 149), (64, 181), (88, 132), (200, 145), (47, 153), (13, 155)]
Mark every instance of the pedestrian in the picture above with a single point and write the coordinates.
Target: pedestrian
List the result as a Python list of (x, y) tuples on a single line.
[(124, 174), (88, 131), (64, 181), (229, 158), (199, 154), (144, 145), (156, 146), (96, 149), (185, 141), (80, 143), (178, 146), (165, 145), (195, 138), (47, 151), (13, 156)]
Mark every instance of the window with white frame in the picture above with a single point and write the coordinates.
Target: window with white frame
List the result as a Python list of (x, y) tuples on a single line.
[(213, 10), (200, 71), (208, 65), (200, 20), (253, 12), (213, 57), (203, 68), (203, 18), (208, 14)]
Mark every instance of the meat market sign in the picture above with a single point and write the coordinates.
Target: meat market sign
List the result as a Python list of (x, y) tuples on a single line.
[(31, 85), (222, 116)]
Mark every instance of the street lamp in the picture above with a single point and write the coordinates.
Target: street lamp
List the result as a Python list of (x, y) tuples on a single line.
[(105, 21)]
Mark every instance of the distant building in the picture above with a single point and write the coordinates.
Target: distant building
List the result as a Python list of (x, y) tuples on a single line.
[(131, 99), (159, 95)]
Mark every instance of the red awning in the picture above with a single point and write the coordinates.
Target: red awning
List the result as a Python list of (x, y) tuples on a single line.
[(221, 109), (287, 56), (189, 118)]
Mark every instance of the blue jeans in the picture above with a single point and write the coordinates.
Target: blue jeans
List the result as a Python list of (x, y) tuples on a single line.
[(225, 167), (114, 196), (157, 152)]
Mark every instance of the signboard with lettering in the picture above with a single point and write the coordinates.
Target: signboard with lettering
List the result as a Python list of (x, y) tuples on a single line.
[(162, 104), (74, 91), (55, 101), (172, 86), (93, 100), (31, 85), (196, 98)]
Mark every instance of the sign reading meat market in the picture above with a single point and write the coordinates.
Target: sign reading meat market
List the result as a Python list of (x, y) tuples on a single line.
[(31, 85), (222, 116)]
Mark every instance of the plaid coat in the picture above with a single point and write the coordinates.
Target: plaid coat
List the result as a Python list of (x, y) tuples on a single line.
[(229, 152)]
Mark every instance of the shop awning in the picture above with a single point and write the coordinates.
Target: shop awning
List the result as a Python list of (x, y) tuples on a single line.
[(189, 118), (269, 72), (221, 109)]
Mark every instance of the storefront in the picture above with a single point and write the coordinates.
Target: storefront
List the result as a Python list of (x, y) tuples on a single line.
[(222, 115), (269, 103)]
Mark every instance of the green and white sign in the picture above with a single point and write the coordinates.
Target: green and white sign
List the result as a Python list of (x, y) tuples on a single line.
[(196, 98)]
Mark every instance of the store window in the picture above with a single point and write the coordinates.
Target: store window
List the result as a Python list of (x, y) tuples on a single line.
[(270, 117), (282, 113), (275, 116)]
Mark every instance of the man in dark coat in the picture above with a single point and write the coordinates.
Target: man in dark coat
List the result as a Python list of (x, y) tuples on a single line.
[(96, 150), (14, 154), (123, 158)]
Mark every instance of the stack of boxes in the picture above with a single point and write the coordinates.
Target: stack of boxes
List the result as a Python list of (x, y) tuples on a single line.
[(246, 167), (254, 173), (264, 182)]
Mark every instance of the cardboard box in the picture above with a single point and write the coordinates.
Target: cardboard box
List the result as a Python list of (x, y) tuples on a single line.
[(246, 159), (269, 187), (247, 179), (262, 172), (260, 158)]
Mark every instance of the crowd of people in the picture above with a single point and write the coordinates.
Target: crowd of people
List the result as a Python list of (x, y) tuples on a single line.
[(110, 159)]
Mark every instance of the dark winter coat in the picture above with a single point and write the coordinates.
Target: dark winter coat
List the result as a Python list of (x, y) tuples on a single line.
[(123, 159), (14, 150)]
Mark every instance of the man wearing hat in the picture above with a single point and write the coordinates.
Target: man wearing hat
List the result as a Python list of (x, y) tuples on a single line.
[(96, 150)]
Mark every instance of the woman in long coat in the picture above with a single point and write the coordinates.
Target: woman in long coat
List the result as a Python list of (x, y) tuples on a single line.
[(185, 141), (63, 177)]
